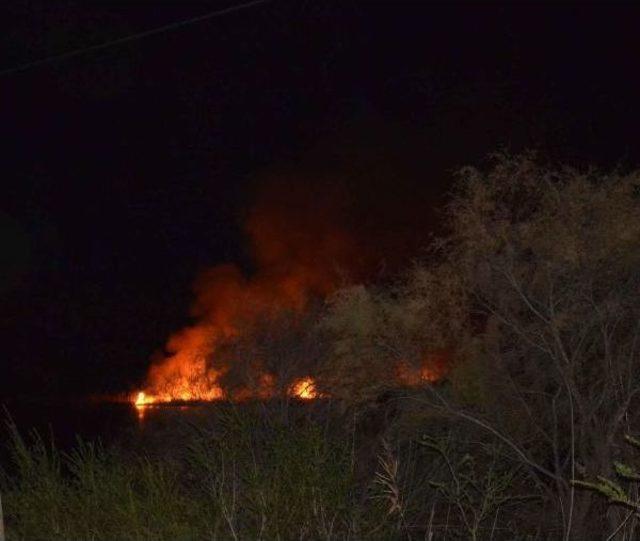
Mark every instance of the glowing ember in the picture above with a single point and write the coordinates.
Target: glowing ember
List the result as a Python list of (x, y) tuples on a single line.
[(433, 367), (304, 389), (429, 374)]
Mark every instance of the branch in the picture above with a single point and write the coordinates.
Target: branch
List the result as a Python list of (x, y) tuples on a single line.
[(479, 422)]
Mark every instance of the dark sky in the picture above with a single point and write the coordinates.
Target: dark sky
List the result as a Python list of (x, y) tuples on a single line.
[(128, 169)]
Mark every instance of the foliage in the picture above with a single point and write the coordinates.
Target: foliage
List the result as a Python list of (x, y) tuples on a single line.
[(617, 495), (253, 472), (549, 260), (535, 291), (477, 491)]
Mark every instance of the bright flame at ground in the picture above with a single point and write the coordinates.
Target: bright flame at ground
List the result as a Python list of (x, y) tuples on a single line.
[(142, 399), (304, 389), (202, 385)]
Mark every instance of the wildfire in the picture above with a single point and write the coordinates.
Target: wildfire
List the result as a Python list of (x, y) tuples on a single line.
[(303, 250)]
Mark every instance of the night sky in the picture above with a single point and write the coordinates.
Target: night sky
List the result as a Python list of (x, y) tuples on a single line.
[(129, 169)]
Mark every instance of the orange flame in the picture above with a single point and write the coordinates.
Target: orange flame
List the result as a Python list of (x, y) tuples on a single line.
[(304, 389)]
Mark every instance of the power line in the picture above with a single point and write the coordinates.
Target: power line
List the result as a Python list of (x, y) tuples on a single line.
[(132, 37)]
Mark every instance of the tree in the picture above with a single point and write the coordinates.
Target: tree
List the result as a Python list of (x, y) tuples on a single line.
[(546, 266), (535, 290)]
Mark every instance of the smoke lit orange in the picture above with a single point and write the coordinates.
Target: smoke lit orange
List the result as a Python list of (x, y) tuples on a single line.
[(301, 252)]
